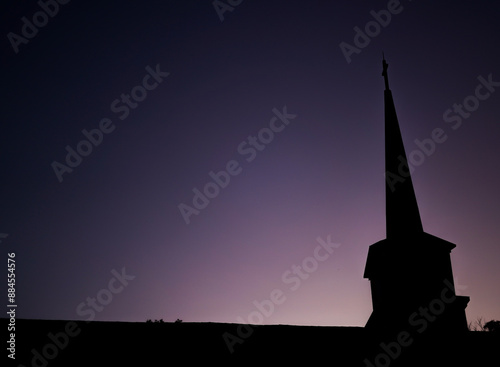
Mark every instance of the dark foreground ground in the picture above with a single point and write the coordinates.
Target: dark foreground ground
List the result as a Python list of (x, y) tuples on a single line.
[(66, 343)]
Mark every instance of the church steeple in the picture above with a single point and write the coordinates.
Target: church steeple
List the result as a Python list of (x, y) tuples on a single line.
[(409, 268), (402, 214)]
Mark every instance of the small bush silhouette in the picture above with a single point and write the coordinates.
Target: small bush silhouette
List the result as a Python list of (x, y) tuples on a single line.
[(492, 326), (480, 325), (160, 321), (156, 321)]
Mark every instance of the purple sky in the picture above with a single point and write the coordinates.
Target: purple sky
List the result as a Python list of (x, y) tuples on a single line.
[(321, 175)]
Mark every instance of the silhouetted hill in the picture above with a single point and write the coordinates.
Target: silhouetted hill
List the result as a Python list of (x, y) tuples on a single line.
[(68, 343)]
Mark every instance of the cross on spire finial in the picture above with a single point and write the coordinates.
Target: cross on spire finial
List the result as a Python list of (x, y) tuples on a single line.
[(385, 65)]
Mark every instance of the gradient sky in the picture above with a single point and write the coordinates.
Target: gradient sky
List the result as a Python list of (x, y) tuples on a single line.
[(322, 175)]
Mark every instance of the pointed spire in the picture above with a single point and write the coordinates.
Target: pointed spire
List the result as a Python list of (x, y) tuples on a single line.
[(402, 214)]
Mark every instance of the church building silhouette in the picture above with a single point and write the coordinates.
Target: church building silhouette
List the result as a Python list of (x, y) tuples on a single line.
[(410, 271)]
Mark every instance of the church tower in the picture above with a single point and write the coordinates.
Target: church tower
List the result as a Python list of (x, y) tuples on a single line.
[(410, 271)]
